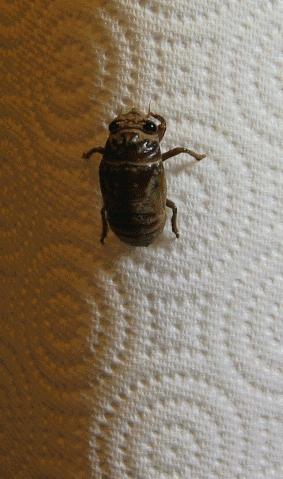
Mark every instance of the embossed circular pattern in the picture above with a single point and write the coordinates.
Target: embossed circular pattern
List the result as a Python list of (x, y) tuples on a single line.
[(163, 362)]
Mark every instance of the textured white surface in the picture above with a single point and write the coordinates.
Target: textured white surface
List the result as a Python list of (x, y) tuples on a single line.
[(154, 363)]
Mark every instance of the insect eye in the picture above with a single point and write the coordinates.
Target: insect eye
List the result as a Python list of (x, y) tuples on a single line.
[(149, 127), (114, 126)]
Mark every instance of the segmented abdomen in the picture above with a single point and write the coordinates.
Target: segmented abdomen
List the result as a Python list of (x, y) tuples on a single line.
[(135, 197)]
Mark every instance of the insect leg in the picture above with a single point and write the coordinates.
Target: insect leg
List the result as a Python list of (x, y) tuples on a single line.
[(180, 149), (173, 207), (96, 149), (104, 224)]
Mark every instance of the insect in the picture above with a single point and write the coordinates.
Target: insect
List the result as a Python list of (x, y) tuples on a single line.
[(132, 178)]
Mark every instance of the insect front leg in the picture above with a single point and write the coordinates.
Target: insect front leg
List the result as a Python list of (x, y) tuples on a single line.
[(104, 224), (173, 207), (96, 149), (180, 149)]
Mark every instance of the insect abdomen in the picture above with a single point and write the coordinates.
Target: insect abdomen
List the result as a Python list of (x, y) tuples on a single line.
[(136, 229), (135, 197)]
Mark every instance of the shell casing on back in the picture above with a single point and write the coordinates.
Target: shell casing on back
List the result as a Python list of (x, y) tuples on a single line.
[(132, 179)]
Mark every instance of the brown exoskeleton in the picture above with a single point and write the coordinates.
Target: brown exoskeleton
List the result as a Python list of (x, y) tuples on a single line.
[(132, 178)]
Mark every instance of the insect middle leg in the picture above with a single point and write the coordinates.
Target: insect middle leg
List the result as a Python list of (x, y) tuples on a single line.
[(180, 149), (104, 224), (173, 207)]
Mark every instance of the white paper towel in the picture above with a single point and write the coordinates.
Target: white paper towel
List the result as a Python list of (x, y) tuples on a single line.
[(142, 363)]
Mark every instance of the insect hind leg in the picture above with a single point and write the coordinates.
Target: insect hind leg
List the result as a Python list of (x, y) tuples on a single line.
[(173, 207), (104, 224)]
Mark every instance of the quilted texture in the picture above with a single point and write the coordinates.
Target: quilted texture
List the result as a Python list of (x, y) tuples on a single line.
[(142, 363)]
